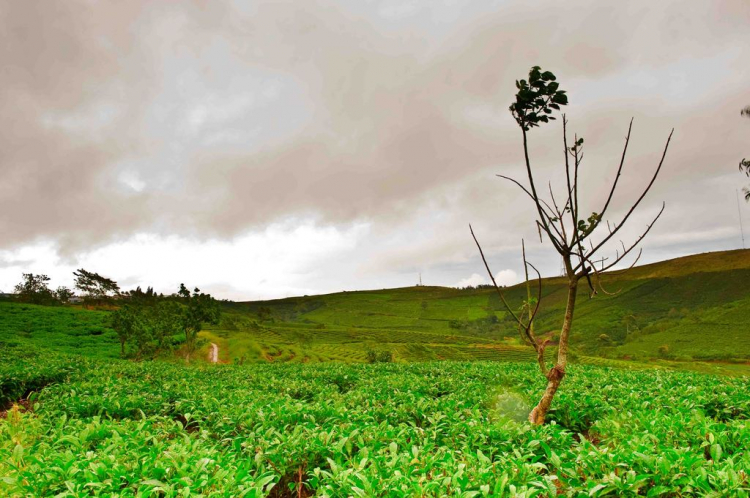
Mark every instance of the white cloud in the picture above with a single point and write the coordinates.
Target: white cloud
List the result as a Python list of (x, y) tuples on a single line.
[(506, 277), (503, 278), (132, 180), (277, 262), (474, 280)]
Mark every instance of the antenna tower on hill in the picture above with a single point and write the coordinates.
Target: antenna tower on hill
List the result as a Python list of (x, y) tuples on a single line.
[(739, 213)]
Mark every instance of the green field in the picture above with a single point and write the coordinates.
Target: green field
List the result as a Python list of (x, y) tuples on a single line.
[(691, 311), (118, 428), (295, 410), (698, 307), (62, 328)]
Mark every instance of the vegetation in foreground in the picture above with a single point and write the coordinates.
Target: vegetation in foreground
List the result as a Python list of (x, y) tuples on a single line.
[(118, 428)]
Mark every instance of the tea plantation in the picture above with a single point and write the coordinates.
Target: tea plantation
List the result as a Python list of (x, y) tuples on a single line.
[(685, 309), (294, 411), (96, 427)]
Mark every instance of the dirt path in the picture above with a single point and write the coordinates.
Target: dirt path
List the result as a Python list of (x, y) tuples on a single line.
[(213, 354)]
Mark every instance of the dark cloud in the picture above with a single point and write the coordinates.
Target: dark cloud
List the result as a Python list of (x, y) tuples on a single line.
[(206, 119)]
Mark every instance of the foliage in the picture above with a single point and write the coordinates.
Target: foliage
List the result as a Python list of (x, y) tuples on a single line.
[(94, 286), (34, 289), (264, 313), (62, 328), (199, 308), (699, 305), (537, 98), (63, 294), (149, 327), (373, 356), (664, 350), (118, 428), (138, 295)]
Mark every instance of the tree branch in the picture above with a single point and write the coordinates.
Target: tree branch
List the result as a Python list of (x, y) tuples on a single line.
[(558, 245), (637, 202)]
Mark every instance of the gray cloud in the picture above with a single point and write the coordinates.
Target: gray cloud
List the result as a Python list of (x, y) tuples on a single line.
[(208, 119)]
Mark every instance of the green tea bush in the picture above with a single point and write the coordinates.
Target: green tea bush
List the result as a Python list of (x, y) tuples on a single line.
[(373, 356), (116, 428)]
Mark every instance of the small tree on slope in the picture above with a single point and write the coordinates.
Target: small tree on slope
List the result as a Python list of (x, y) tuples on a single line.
[(575, 236), (199, 308)]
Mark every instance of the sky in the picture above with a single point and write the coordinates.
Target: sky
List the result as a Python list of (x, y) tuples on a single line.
[(261, 149)]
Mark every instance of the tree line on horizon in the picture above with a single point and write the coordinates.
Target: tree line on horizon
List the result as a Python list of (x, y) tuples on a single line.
[(150, 323)]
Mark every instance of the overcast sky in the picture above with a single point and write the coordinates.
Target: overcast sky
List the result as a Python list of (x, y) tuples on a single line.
[(268, 149)]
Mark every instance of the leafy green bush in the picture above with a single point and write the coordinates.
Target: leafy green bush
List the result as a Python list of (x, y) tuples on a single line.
[(112, 427), (373, 356)]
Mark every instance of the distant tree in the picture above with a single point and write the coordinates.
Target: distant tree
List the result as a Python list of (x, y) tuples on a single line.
[(35, 289), (745, 163), (138, 295), (166, 317), (94, 286), (149, 327), (124, 321), (576, 237), (199, 308), (63, 294)]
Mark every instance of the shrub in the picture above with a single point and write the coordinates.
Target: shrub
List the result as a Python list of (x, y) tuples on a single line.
[(384, 356)]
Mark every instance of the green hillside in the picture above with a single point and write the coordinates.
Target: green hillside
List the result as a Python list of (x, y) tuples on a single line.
[(696, 307), (692, 308), (77, 421), (60, 328)]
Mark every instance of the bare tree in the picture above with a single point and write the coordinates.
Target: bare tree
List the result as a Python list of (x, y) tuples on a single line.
[(576, 237)]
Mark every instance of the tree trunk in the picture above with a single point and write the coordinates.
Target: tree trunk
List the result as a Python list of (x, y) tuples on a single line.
[(556, 373), (122, 348), (555, 377)]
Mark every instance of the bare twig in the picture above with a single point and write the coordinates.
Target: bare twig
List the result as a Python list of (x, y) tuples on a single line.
[(548, 215), (619, 169), (626, 251), (637, 202), (535, 196), (492, 278)]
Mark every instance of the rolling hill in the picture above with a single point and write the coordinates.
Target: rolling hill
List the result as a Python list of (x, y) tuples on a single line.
[(695, 307), (685, 309)]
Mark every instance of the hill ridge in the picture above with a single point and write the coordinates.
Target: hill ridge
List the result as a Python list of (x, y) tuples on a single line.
[(738, 259)]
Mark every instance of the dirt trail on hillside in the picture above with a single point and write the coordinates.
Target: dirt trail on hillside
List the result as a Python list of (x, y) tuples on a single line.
[(213, 354)]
